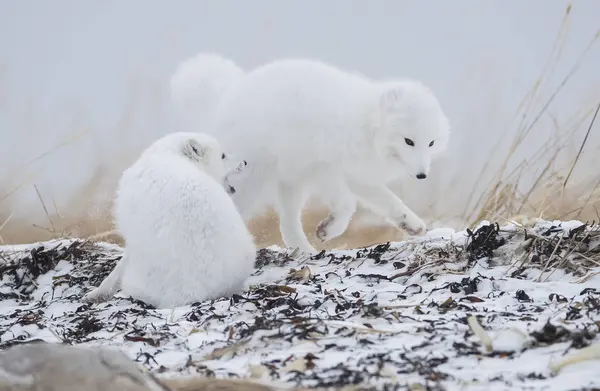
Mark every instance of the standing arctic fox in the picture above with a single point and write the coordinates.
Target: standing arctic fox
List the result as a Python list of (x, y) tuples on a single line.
[(184, 238), (312, 129)]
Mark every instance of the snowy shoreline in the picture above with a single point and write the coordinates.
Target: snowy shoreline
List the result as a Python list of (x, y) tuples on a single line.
[(391, 316)]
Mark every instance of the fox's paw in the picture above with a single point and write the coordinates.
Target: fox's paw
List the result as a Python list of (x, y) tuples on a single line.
[(413, 225), (330, 228), (96, 296), (322, 229)]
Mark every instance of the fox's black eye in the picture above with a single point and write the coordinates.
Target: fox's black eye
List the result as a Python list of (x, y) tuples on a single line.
[(431, 143), (222, 156), (409, 142), (195, 150)]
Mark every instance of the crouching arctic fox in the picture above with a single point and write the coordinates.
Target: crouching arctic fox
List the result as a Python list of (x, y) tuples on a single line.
[(184, 238), (311, 129)]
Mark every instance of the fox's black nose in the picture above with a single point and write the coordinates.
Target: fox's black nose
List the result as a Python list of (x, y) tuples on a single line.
[(245, 163), (421, 176)]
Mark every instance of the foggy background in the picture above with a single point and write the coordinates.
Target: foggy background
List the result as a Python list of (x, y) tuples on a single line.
[(84, 84)]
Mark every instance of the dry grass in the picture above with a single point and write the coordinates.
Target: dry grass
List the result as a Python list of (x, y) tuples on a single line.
[(557, 191), (265, 229), (554, 194)]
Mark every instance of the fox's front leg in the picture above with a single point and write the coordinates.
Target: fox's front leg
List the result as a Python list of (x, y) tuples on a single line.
[(382, 201)]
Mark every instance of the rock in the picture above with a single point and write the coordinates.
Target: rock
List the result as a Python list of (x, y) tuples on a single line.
[(196, 383), (56, 367)]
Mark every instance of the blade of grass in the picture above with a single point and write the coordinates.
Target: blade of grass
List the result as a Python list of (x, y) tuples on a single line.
[(582, 145)]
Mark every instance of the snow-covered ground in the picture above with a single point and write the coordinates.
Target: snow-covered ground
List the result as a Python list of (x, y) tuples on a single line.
[(392, 316)]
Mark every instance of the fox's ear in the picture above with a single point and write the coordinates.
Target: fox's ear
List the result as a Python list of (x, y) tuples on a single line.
[(194, 150), (391, 97)]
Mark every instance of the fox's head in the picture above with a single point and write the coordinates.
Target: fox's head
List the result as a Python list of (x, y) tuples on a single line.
[(200, 149), (412, 127)]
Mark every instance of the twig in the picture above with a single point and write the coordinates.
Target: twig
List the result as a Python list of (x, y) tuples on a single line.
[(587, 277), (539, 279), (51, 231), (521, 261), (582, 145), (7, 220), (56, 209), (4, 224), (565, 257), (12, 191), (45, 209), (589, 259), (64, 143)]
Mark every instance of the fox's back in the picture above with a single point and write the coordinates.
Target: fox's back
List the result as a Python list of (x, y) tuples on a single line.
[(296, 111)]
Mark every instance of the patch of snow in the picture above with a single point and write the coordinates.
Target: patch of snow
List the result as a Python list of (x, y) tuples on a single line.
[(389, 315)]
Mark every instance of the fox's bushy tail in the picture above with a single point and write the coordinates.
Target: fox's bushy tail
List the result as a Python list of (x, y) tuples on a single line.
[(199, 85)]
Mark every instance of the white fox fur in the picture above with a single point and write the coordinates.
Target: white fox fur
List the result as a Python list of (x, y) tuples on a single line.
[(184, 238), (310, 129)]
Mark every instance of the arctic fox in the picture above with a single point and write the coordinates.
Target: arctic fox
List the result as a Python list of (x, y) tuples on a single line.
[(311, 129), (184, 238)]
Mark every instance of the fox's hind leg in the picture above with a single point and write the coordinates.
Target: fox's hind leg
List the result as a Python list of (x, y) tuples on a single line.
[(110, 285), (342, 205), (289, 206)]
